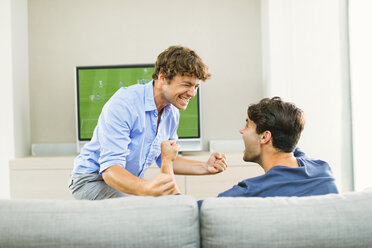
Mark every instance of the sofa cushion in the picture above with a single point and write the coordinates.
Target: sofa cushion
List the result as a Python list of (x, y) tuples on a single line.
[(317, 221), (170, 221)]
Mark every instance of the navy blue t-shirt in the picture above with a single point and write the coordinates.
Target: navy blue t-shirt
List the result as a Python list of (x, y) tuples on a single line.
[(312, 177)]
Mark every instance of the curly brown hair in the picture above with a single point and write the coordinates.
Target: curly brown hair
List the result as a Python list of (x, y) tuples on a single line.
[(283, 119), (178, 60)]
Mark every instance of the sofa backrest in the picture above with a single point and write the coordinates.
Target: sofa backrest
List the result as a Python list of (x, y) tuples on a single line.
[(170, 221), (319, 221)]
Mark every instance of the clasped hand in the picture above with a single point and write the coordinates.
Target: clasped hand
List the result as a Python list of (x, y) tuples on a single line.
[(216, 163), (165, 183)]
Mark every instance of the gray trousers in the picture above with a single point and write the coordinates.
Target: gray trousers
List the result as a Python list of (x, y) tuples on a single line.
[(92, 187)]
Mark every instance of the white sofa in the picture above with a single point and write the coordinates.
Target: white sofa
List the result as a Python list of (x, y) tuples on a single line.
[(343, 220)]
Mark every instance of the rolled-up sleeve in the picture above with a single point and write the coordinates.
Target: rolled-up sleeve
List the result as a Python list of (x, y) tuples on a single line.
[(114, 128)]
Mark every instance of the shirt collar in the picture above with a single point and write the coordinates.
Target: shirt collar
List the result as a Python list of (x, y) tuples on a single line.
[(149, 97)]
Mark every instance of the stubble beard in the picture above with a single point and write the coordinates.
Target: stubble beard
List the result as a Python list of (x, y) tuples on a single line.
[(251, 158)]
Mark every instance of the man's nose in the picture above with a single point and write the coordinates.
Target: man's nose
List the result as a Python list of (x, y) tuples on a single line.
[(241, 130), (192, 91)]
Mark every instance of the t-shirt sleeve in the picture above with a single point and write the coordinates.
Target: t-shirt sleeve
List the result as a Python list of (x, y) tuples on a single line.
[(114, 127)]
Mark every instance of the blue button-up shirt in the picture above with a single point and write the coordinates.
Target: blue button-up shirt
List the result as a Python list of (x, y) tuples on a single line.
[(126, 135)]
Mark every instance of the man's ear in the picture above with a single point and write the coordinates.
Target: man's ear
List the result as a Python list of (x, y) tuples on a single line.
[(265, 137), (161, 78)]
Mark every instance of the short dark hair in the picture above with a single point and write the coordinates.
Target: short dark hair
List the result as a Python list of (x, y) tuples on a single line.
[(178, 60), (283, 119)]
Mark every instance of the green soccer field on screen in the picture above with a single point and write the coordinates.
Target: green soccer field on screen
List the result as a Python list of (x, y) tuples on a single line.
[(97, 85)]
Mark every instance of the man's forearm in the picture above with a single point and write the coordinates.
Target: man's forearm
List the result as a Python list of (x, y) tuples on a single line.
[(167, 166), (185, 166), (122, 180)]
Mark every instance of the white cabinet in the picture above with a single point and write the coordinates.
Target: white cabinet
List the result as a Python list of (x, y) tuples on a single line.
[(47, 177)]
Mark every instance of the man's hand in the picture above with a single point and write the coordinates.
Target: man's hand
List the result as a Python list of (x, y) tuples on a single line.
[(124, 181), (216, 163), (164, 184), (169, 150)]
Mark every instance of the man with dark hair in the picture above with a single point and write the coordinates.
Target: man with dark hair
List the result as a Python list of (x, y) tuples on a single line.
[(138, 126), (272, 130)]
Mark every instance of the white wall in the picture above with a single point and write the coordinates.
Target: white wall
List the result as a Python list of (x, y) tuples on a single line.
[(6, 106), (66, 33), (361, 82), (14, 100), (304, 53), (21, 92), (305, 61)]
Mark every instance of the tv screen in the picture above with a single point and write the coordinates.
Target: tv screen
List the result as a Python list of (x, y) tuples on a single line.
[(96, 84)]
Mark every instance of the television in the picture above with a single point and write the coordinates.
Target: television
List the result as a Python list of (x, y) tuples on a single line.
[(96, 84)]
